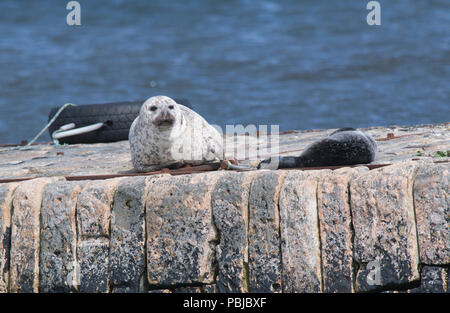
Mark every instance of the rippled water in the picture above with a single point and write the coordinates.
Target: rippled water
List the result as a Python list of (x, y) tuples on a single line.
[(299, 64)]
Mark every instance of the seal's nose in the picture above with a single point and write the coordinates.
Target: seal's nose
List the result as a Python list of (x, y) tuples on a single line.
[(167, 116), (164, 118)]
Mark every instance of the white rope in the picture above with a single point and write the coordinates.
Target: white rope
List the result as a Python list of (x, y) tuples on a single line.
[(48, 125), (41, 132), (64, 131)]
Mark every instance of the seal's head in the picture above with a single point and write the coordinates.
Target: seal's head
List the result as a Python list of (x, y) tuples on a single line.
[(161, 111)]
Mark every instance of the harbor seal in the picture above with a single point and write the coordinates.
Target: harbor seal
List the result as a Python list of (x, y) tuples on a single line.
[(345, 146), (169, 135)]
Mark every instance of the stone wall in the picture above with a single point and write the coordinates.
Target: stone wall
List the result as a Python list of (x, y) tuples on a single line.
[(347, 230)]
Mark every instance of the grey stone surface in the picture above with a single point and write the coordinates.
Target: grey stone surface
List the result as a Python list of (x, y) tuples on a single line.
[(447, 285), (93, 258), (385, 230), (127, 256), (25, 231), (230, 212), (432, 206), (432, 280), (187, 290), (336, 235), (209, 288), (299, 228), (6, 192), (93, 220), (181, 237), (59, 237), (114, 158), (94, 207), (264, 259)]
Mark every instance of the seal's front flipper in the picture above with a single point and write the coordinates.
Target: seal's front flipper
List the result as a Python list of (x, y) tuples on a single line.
[(174, 166), (275, 163), (232, 165), (147, 169), (154, 168)]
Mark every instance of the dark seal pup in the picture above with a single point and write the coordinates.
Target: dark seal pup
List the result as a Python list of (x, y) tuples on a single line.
[(345, 146)]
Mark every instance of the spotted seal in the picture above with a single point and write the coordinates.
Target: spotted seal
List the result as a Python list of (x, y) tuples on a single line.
[(345, 146), (169, 135)]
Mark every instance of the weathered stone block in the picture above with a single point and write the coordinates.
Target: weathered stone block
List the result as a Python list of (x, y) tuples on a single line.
[(336, 233), (432, 280), (181, 237), (385, 230), (25, 235), (210, 288), (230, 212), (94, 207), (432, 205), (92, 255), (448, 281), (264, 260), (6, 192), (93, 220), (59, 237), (300, 242), (127, 256)]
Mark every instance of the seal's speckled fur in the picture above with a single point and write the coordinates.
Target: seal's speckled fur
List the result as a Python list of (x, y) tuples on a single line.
[(345, 146), (167, 134)]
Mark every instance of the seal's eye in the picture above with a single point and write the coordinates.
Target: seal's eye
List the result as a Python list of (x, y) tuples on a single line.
[(171, 107), (153, 108)]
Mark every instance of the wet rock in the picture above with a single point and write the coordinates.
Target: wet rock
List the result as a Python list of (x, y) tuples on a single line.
[(230, 211), (59, 237), (385, 230), (336, 229), (25, 233), (300, 243), (432, 280), (92, 255), (432, 205), (181, 237), (264, 260), (127, 256), (6, 192)]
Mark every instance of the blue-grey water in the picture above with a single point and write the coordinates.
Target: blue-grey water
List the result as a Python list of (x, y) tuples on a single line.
[(299, 64)]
